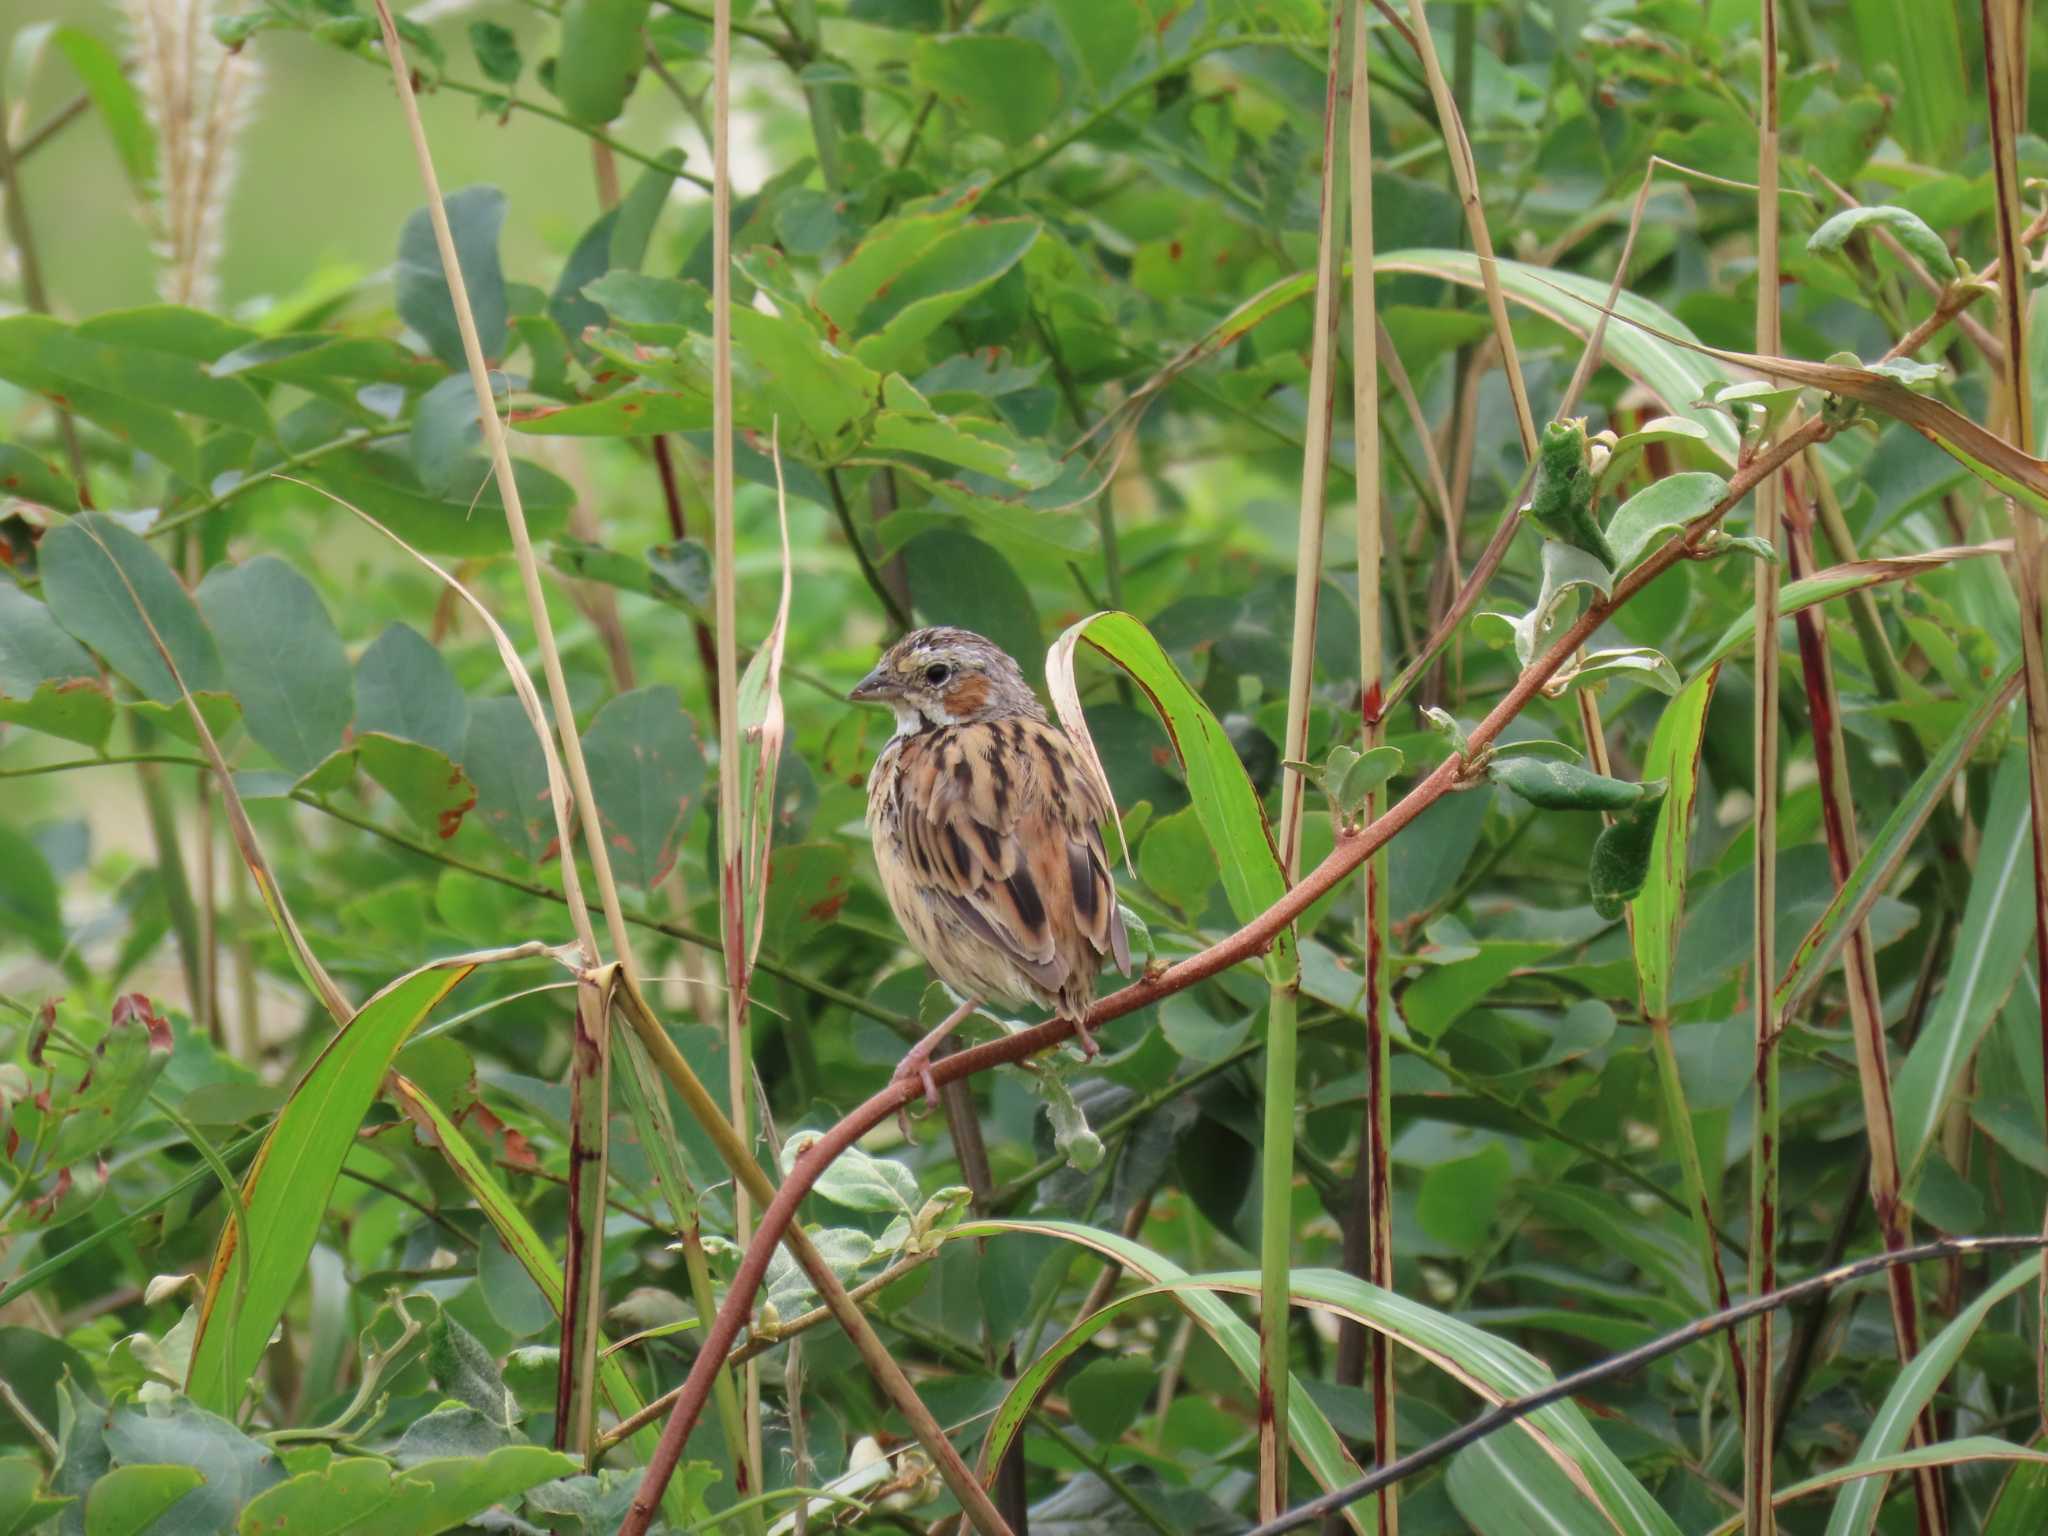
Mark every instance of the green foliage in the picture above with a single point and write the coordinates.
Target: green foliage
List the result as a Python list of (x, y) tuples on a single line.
[(1023, 306)]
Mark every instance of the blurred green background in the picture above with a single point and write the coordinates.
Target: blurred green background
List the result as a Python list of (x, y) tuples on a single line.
[(325, 158)]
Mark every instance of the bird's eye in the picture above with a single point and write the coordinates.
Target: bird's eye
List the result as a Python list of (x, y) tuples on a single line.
[(937, 673)]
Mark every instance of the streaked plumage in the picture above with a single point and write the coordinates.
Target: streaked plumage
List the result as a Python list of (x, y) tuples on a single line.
[(987, 829)]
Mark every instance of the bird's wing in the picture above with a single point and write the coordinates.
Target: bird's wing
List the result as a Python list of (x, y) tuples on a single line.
[(999, 819)]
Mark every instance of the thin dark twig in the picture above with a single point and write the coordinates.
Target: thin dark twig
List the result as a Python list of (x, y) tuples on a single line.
[(1620, 1365), (872, 576)]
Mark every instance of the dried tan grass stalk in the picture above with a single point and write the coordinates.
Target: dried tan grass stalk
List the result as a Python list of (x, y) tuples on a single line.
[(199, 96)]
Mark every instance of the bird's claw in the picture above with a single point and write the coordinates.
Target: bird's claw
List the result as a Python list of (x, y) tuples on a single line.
[(917, 1065)]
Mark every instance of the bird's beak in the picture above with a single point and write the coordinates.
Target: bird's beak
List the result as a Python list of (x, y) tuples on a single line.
[(871, 689)]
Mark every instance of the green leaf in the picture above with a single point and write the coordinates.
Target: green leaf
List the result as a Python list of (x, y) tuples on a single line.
[(858, 1181), (99, 69), (974, 444), (600, 57), (1372, 769), (446, 437), (503, 760), (888, 250), (288, 1187), (1223, 798), (155, 355), (1105, 33), (1995, 938), (1660, 509), (1108, 1395), (1559, 786), (1631, 445), (1622, 854), (646, 768), (219, 709), (958, 579), (30, 904), (232, 1467), (1006, 87), (783, 369), (23, 1507), (1177, 861), (282, 658), (1855, 1510), (476, 215), (892, 326), (1674, 756), (128, 1500), (84, 564), (1907, 227), (1637, 663), (23, 474), (612, 249), (637, 410), (403, 688), (47, 679), (1461, 1198), (1442, 995), (365, 1496), (468, 520), (424, 780), (497, 52)]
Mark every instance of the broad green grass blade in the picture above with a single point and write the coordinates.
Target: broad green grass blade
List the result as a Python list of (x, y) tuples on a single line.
[(1311, 1435), (1855, 1511), (1495, 1369), (1838, 581), (1678, 376), (1505, 1486), (1491, 1367), (1674, 755), (1947, 1454), (287, 1188), (1852, 903), (1662, 363), (1225, 803), (2022, 1507), (1991, 945)]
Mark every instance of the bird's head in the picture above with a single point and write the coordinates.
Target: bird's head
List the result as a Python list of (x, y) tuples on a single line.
[(947, 676)]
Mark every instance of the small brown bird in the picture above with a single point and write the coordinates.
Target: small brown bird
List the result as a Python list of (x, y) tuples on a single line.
[(987, 832)]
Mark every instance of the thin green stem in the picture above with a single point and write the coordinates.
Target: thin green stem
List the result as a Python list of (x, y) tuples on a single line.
[(359, 438), (869, 573)]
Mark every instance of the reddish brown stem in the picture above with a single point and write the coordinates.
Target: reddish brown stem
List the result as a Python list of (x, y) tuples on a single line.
[(1253, 939)]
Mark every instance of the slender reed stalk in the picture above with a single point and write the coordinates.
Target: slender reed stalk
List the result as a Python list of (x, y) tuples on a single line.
[(732, 890), (2005, 66), (590, 1076), (1758, 1512), (1866, 1002), (1369, 1235), (1276, 1153)]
